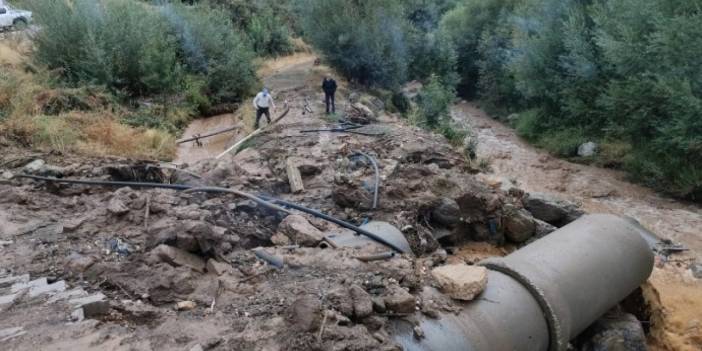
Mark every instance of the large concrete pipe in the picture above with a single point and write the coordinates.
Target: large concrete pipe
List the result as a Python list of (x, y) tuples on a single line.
[(543, 295)]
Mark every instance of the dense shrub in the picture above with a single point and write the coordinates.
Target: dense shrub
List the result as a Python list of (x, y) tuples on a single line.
[(623, 70), (366, 41), (142, 50), (435, 102), (266, 23)]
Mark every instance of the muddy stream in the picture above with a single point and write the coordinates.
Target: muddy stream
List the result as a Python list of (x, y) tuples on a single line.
[(598, 190)]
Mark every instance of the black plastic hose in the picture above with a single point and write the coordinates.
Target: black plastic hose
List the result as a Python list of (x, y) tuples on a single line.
[(315, 213), (338, 222)]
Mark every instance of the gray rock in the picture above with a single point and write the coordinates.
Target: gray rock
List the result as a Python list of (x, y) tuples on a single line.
[(305, 313), (117, 207), (362, 303), (177, 257), (447, 212), (696, 270), (614, 332), (588, 149), (34, 167), (300, 231), (93, 306), (519, 225), (78, 263), (551, 209), (543, 228), (400, 301)]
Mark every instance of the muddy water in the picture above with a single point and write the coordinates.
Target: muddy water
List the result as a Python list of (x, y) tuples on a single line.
[(597, 189), (211, 147)]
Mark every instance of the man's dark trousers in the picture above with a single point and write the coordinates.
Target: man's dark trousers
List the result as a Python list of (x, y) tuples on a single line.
[(329, 100), (263, 111)]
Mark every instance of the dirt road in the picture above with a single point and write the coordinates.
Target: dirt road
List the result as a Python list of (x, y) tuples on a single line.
[(597, 189)]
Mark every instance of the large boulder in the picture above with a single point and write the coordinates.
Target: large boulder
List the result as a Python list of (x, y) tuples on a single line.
[(614, 332), (446, 213), (461, 281), (299, 230), (519, 225), (551, 209)]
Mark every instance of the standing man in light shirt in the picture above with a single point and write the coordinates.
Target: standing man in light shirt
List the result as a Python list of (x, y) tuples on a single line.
[(263, 103)]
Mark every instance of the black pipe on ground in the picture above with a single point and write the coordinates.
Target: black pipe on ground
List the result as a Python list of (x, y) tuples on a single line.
[(264, 200), (543, 295)]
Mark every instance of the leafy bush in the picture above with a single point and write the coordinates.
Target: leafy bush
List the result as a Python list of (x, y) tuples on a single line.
[(624, 70), (143, 50), (366, 41), (434, 102)]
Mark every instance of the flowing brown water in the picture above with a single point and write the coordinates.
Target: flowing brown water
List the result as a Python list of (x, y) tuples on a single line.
[(597, 189)]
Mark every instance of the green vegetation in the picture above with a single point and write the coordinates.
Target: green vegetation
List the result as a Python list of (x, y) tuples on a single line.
[(623, 73), (139, 50)]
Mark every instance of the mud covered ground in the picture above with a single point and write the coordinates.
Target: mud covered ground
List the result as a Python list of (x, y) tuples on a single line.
[(180, 270)]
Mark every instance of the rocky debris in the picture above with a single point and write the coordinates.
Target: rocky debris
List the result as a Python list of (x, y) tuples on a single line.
[(614, 331), (519, 224), (77, 263), (360, 301), (34, 167), (353, 196), (117, 207), (588, 149), (551, 209), (219, 268), (185, 305), (461, 281), (300, 231), (305, 314), (93, 306), (446, 213), (361, 114), (542, 228), (177, 257), (399, 300)]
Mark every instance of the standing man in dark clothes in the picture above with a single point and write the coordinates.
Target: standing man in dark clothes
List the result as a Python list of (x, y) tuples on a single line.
[(329, 87)]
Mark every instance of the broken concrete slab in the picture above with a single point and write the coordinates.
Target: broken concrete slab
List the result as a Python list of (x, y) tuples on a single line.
[(57, 287), (11, 280), (461, 281), (70, 294), (9, 333), (6, 299), (177, 257), (92, 306), (34, 283)]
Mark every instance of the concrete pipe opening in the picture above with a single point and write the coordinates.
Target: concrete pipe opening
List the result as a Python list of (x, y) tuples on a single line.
[(542, 296)]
